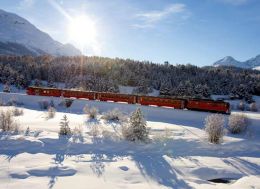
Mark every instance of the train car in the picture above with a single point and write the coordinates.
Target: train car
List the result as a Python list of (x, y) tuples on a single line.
[(44, 91), (157, 101), (190, 104), (208, 105), (78, 94), (115, 97)]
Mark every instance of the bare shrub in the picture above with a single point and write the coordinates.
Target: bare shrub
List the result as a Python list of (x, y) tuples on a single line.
[(43, 104), (163, 136), (51, 112), (67, 102), (136, 129), (17, 111), (7, 122), (237, 123), (253, 107), (95, 130), (64, 127), (77, 134), (114, 115), (214, 127), (241, 106), (91, 111)]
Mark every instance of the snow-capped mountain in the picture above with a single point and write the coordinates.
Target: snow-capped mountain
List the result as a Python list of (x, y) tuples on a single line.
[(253, 63), (19, 37)]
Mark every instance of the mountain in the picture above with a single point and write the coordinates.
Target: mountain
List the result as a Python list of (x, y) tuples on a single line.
[(253, 63), (19, 37)]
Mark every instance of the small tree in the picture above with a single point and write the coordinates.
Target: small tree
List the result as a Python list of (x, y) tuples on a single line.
[(214, 127), (6, 121), (27, 131), (64, 127), (237, 123), (137, 130)]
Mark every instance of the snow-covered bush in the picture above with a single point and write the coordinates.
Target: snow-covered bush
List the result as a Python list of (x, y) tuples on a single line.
[(43, 104), (253, 107), (17, 111), (109, 135), (64, 127), (77, 134), (51, 112), (91, 111), (114, 115), (163, 136), (241, 106), (214, 127), (7, 122), (237, 123), (95, 130), (137, 129)]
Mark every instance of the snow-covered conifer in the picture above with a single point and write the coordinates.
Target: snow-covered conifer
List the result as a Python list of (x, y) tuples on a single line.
[(137, 129), (64, 126)]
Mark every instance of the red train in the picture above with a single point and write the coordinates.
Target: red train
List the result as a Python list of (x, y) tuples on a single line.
[(190, 104)]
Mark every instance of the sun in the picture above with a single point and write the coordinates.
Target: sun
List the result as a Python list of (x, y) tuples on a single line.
[(82, 31)]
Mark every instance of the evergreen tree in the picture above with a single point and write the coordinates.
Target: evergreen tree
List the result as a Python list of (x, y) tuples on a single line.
[(137, 129), (64, 127)]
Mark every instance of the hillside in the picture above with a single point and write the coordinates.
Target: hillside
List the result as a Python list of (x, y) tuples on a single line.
[(252, 63), (106, 74), (19, 37)]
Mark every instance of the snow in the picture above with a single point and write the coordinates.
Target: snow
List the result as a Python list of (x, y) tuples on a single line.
[(184, 160)]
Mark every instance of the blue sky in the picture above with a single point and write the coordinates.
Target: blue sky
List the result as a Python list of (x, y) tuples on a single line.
[(179, 31)]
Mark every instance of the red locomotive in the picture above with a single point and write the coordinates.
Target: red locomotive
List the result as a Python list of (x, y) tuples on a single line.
[(190, 104)]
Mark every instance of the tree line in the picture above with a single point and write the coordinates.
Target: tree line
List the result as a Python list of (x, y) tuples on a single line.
[(106, 74)]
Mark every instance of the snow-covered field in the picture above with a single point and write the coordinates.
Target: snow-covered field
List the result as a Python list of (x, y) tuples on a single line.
[(182, 160)]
